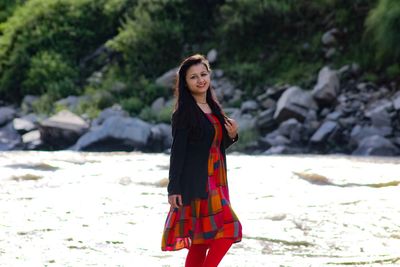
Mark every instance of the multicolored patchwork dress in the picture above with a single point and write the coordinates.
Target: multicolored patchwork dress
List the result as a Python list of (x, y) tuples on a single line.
[(204, 220)]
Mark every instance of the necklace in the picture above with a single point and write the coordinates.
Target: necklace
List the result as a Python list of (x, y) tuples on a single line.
[(205, 103)]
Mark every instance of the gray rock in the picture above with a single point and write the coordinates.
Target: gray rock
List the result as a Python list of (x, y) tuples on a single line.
[(116, 133), (334, 116), (278, 140), (23, 125), (9, 138), (322, 134), (396, 101), (6, 115), (62, 130), (224, 89), (114, 111), (160, 138), (27, 103), (265, 120), (244, 121), (291, 129), (212, 56), (249, 106), (376, 146), (330, 52), (158, 105), (328, 38), (71, 102), (294, 103), (168, 79), (327, 87), (32, 140), (359, 133)]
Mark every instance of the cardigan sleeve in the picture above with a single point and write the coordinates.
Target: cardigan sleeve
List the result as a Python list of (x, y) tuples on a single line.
[(177, 158), (229, 141)]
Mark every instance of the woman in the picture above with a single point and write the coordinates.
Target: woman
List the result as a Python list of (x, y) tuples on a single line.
[(201, 218)]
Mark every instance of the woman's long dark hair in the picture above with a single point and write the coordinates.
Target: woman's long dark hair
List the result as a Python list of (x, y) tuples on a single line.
[(186, 112)]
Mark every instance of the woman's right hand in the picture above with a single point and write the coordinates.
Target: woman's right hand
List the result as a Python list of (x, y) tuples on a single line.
[(175, 201)]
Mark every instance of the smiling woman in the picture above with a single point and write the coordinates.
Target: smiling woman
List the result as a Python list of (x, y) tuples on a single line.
[(201, 218)]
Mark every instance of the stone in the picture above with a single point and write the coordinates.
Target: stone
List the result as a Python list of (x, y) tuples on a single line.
[(212, 56), (62, 130), (9, 138), (396, 101), (32, 140), (25, 124), (328, 38), (376, 145), (160, 137), (322, 134), (116, 134), (27, 103), (294, 103), (6, 115), (168, 79), (158, 105), (249, 106), (114, 111), (327, 87), (265, 120)]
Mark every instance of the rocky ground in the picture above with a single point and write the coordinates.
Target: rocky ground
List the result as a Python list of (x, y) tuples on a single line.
[(340, 114)]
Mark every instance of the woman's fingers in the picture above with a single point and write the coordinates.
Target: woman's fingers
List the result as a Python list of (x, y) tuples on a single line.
[(175, 201)]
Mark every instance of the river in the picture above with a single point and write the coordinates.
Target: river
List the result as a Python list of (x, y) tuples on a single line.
[(108, 209)]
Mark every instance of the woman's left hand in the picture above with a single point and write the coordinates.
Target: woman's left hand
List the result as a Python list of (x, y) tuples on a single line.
[(231, 126)]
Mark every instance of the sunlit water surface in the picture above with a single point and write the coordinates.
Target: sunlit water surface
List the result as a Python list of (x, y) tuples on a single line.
[(108, 209)]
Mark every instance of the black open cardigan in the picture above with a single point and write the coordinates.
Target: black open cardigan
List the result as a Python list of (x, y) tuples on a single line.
[(188, 171)]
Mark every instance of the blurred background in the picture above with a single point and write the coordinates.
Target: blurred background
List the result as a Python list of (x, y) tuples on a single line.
[(299, 76)]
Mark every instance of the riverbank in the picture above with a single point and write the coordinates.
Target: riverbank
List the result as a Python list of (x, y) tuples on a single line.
[(70, 208)]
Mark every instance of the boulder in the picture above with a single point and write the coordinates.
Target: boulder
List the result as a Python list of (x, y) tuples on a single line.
[(167, 80), (323, 132), (6, 115), (114, 111), (62, 130), (294, 103), (116, 133), (291, 129), (27, 103), (158, 105), (327, 87), (26, 123), (160, 137), (265, 120), (9, 138), (376, 146), (249, 106), (212, 56), (328, 38), (396, 101), (32, 140), (359, 133)]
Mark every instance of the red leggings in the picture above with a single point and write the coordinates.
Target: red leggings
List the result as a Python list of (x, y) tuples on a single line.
[(216, 251)]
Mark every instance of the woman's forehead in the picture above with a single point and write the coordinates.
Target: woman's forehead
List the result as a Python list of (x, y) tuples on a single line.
[(198, 68)]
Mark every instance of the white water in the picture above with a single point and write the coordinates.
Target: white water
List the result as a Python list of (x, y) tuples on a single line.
[(108, 209)]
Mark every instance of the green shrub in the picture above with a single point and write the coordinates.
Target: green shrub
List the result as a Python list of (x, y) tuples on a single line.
[(72, 29), (43, 105), (383, 27), (133, 105), (50, 73)]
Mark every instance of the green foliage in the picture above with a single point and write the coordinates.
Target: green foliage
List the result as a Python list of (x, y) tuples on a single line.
[(71, 29), (133, 105), (7, 7), (164, 115), (43, 105), (383, 26), (50, 73)]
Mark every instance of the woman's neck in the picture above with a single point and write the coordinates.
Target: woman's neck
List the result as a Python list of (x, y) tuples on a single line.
[(200, 99)]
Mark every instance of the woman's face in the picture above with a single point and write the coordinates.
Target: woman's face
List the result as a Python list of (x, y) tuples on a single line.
[(198, 79)]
